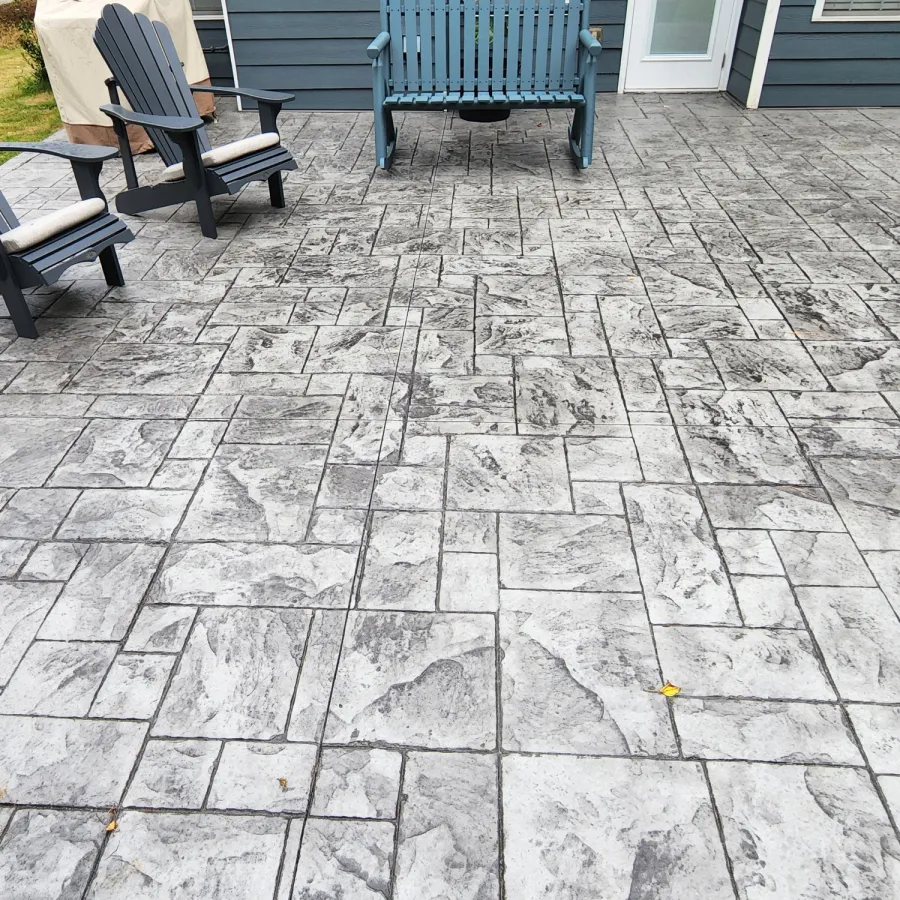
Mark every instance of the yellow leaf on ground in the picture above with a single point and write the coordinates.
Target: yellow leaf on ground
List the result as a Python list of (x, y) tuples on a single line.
[(283, 783), (112, 825), (669, 689)]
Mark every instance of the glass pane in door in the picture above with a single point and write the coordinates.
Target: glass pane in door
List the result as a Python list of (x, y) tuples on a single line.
[(682, 27)]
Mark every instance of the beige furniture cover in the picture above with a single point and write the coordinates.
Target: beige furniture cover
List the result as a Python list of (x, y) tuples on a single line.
[(65, 29)]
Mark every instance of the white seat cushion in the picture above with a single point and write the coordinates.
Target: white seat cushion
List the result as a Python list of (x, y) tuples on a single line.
[(226, 153), (39, 230)]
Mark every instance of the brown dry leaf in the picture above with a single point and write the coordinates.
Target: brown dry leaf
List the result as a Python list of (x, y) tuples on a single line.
[(2, 792), (669, 689), (283, 783), (113, 818)]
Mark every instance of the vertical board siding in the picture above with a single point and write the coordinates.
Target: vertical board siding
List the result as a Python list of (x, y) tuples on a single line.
[(214, 42), (831, 63), (317, 49)]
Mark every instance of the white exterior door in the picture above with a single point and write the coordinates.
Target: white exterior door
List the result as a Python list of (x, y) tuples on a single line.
[(679, 45)]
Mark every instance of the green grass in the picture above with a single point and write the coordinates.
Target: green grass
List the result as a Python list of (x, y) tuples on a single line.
[(27, 110)]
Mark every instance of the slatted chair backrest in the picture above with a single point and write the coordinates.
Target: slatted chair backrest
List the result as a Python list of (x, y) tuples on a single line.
[(483, 46), (145, 64), (8, 219)]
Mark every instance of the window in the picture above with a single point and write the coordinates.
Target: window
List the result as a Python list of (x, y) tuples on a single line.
[(856, 10), (207, 9)]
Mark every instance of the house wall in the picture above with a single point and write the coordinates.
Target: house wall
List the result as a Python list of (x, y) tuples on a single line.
[(316, 49), (214, 42), (818, 63), (831, 64), (745, 49)]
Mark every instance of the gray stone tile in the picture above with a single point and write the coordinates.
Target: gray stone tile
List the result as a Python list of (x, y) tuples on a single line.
[(518, 295), (56, 678), (508, 473), (736, 408), (745, 455), (116, 453), (828, 313), (167, 855), (35, 513), (468, 398), (827, 559), (220, 691), (133, 687), (603, 459), (67, 762), (351, 860), (313, 694), (401, 561), (857, 632), (741, 662), (417, 679), (102, 597), (31, 448), (12, 554), (357, 783), (409, 487), (566, 396), (579, 553), (682, 575), (660, 454), (521, 335), (269, 349), (577, 676), (160, 629), (863, 490), (337, 526), (130, 514), (617, 825), (256, 575), (48, 854), (858, 366), (878, 728), (173, 774), (22, 609), (255, 493), (834, 819), (61, 340), (448, 843), (766, 366), (355, 349), (52, 561), (263, 776), (766, 602), (749, 552), (471, 532), (765, 730), (468, 582), (147, 369), (782, 508)]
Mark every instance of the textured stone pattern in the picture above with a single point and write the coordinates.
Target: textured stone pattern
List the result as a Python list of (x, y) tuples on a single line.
[(345, 555)]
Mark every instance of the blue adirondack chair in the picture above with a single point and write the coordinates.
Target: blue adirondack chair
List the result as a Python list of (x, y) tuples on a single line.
[(485, 54)]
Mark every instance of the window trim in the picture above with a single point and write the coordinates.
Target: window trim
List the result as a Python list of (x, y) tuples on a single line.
[(817, 16)]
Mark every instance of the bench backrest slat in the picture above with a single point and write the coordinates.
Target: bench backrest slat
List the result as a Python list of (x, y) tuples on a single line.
[(482, 46)]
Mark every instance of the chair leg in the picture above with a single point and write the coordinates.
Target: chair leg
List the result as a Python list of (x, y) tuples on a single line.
[(112, 271), (385, 137), (18, 309), (580, 142), (206, 215), (276, 191)]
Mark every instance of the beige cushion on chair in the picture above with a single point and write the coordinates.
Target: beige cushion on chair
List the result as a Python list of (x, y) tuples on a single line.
[(226, 153), (39, 230)]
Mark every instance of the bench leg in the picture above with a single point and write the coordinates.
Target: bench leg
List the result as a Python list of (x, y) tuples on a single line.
[(112, 271), (385, 138), (276, 191), (207, 217), (18, 309)]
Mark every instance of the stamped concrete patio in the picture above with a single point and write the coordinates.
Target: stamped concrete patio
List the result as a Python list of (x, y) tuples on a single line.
[(346, 555)]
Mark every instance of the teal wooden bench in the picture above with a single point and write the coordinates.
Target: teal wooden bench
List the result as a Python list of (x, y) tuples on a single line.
[(485, 54)]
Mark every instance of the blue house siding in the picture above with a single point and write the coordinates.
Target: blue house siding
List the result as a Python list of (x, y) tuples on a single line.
[(745, 49), (214, 42), (831, 64), (317, 50)]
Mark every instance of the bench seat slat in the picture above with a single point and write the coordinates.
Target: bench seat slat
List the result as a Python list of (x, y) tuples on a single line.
[(450, 100)]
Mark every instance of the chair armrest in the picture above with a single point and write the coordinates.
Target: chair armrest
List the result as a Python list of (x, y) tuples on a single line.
[(171, 124), (83, 152), (589, 42), (378, 46), (261, 96)]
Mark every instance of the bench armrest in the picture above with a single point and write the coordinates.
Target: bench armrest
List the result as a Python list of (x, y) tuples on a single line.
[(589, 42), (261, 96), (72, 152), (169, 124), (378, 46)]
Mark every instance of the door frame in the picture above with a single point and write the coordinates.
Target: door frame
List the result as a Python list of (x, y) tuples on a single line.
[(729, 51)]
